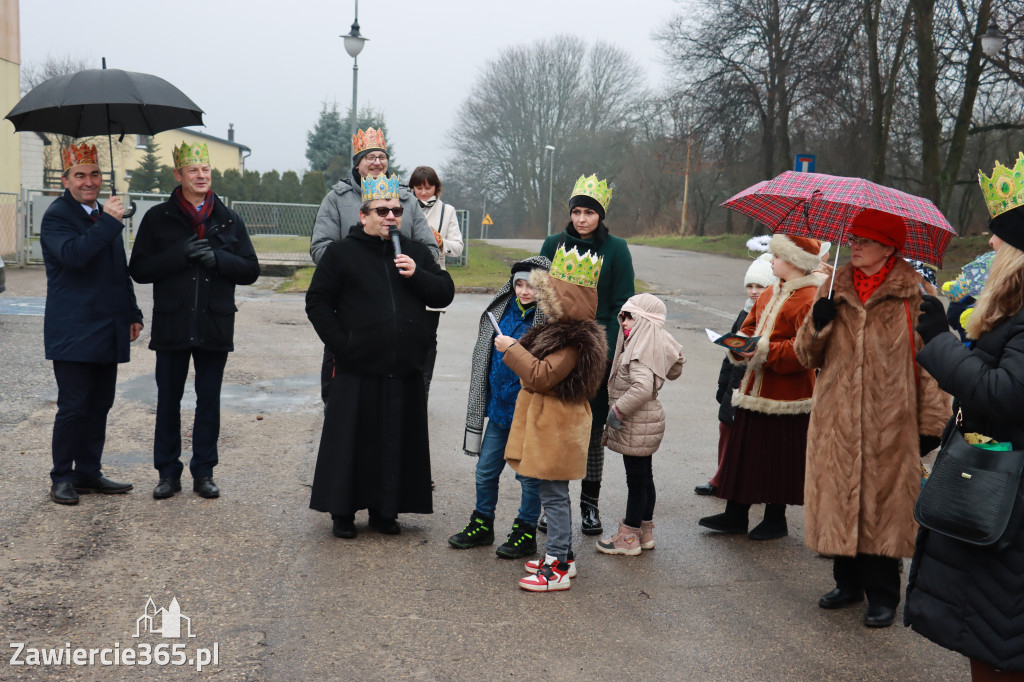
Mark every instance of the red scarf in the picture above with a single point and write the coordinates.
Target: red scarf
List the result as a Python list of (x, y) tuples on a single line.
[(866, 284), (197, 216)]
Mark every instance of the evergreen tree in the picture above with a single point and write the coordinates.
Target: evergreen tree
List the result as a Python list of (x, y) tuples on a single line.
[(230, 185), (167, 181), (291, 190), (329, 143), (270, 187), (250, 187), (146, 178), (314, 189)]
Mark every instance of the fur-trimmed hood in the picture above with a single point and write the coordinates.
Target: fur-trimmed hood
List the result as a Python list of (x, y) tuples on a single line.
[(588, 338)]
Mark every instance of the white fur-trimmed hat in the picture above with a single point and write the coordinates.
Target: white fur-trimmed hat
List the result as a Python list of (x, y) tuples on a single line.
[(803, 252), (760, 272)]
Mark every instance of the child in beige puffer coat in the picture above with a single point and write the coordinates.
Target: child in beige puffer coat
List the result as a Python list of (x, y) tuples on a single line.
[(645, 356)]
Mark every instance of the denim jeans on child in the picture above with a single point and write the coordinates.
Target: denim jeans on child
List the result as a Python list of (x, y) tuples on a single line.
[(555, 497), (488, 471)]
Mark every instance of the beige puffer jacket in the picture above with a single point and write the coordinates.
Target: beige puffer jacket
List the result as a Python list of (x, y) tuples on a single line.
[(633, 390)]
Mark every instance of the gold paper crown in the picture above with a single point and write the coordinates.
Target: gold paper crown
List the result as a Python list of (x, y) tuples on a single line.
[(598, 190), (380, 188), (1005, 189), (580, 269), (190, 155), (369, 139), (76, 156)]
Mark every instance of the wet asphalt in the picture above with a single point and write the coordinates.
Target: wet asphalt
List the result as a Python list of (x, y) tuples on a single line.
[(262, 578)]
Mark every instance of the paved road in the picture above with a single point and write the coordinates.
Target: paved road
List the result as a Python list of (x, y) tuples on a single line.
[(261, 576)]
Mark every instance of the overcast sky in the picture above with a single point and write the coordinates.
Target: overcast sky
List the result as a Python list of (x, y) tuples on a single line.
[(267, 66)]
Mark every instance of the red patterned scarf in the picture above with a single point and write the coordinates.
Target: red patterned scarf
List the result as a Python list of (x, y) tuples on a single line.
[(199, 216), (866, 284)]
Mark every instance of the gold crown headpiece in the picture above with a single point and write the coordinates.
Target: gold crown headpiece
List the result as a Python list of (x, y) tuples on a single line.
[(598, 190), (380, 188), (1005, 189), (371, 138), (77, 155), (191, 155), (581, 269)]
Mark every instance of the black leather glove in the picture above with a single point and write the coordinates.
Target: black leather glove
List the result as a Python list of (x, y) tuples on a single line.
[(929, 443), (613, 420), (932, 321), (194, 246), (823, 312), (207, 258)]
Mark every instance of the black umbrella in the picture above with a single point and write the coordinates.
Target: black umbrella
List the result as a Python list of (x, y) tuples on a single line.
[(105, 102)]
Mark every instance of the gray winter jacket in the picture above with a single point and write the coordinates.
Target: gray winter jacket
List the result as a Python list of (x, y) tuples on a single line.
[(339, 211)]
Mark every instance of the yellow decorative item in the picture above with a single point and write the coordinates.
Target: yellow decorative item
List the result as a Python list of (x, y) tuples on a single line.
[(191, 155), (1005, 189), (580, 269), (371, 138), (965, 317), (598, 190), (380, 188), (78, 155)]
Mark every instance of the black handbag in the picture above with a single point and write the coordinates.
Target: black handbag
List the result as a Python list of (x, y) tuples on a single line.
[(972, 493)]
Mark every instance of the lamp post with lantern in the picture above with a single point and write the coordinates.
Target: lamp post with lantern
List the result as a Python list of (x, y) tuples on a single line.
[(354, 43), (551, 176)]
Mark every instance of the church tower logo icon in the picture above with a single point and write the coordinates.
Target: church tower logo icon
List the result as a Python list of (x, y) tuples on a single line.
[(169, 623)]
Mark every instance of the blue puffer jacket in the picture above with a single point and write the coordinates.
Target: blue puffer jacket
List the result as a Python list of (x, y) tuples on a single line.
[(504, 383)]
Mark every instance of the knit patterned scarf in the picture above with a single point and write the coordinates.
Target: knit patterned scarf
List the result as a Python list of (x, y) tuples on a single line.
[(197, 217), (866, 284)]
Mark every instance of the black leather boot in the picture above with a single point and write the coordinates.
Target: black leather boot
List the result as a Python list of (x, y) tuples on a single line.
[(733, 520), (590, 516)]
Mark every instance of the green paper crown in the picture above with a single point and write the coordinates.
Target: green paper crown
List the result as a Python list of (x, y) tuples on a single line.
[(1005, 189), (380, 188), (580, 269), (190, 155), (598, 190)]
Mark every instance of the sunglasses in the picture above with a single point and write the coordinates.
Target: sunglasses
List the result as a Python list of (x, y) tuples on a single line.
[(383, 211)]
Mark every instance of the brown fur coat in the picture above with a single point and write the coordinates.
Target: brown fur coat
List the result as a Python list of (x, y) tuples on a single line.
[(869, 408)]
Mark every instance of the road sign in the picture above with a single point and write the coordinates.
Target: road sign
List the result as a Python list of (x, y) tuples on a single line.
[(804, 163), (487, 220)]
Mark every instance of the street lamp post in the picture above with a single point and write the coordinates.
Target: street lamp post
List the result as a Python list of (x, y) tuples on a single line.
[(993, 40), (354, 45), (551, 177)]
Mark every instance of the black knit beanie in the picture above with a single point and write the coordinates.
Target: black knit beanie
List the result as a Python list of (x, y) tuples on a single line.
[(583, 201), (1009, 227)]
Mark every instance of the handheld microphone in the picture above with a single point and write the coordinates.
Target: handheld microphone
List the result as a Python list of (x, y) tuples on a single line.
[(393, 233)]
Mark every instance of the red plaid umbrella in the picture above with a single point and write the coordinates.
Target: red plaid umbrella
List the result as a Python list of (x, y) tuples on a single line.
[(823, 207)]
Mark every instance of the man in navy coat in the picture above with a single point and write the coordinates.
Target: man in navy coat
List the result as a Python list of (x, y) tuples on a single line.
[(91, 318)]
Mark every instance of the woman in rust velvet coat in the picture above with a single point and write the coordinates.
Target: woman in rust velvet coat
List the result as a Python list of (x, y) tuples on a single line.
[(875, 411)]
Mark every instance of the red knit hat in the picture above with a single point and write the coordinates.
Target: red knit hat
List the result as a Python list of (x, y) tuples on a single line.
[(879, 226)]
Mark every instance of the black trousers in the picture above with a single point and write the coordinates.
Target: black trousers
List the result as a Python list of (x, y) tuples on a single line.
[(641, 495), (878, 576), (85, 394), (171, 372), (433, 319)]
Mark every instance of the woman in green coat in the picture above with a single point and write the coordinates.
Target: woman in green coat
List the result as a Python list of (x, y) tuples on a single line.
[(586, 230)]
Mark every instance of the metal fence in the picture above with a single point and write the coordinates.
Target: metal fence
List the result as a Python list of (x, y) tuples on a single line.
[(280, 232), (10, 235)]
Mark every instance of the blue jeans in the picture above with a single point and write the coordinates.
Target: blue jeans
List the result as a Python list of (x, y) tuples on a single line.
[(488, 471)]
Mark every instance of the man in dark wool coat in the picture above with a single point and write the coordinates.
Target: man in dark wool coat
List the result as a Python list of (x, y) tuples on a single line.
[(368, 306)]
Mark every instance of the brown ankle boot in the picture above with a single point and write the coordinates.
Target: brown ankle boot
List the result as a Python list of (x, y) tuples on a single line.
[(647, 535), (625, 541)]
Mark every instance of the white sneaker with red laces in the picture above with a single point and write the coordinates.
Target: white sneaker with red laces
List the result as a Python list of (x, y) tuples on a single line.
[(552, 575), (534, 565)]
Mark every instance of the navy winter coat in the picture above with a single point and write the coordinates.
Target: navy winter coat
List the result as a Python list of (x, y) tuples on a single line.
[(964, 598), (90, 302), (192, 307)]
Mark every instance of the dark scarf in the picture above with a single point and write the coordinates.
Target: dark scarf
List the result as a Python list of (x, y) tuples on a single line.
[(867, 284), (598, 235), (197, 217)]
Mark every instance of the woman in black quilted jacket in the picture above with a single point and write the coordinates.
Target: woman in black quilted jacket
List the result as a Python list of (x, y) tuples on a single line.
[(962, 597)]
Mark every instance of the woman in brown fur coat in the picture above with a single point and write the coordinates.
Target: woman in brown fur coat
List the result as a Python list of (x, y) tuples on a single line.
[(875, 411), (764, 458)]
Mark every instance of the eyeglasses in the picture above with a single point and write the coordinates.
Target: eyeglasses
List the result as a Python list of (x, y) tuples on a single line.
[(861, 241), (379, 158), (383, 211)]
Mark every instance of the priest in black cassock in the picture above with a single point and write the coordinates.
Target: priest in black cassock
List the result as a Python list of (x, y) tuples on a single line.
[(369, 307)]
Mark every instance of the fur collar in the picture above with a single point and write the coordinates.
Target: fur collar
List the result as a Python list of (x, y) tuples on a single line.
[(810, 280), (589, 339), (902, 282)]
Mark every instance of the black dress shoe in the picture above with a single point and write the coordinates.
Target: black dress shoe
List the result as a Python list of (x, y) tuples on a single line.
[(166, 488), (838, 598), (590, 517), (879, 616), (726, 523), (63, 492), (705, 489), (102, 485), (386, 526), (344, 527), (205, 486), (542, 523)]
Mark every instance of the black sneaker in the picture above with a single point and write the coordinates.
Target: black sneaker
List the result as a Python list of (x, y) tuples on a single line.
[(479, 531), (542, 522), (522, 541)]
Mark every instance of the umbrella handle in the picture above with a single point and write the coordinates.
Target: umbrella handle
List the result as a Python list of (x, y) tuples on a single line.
[(131, 210)]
